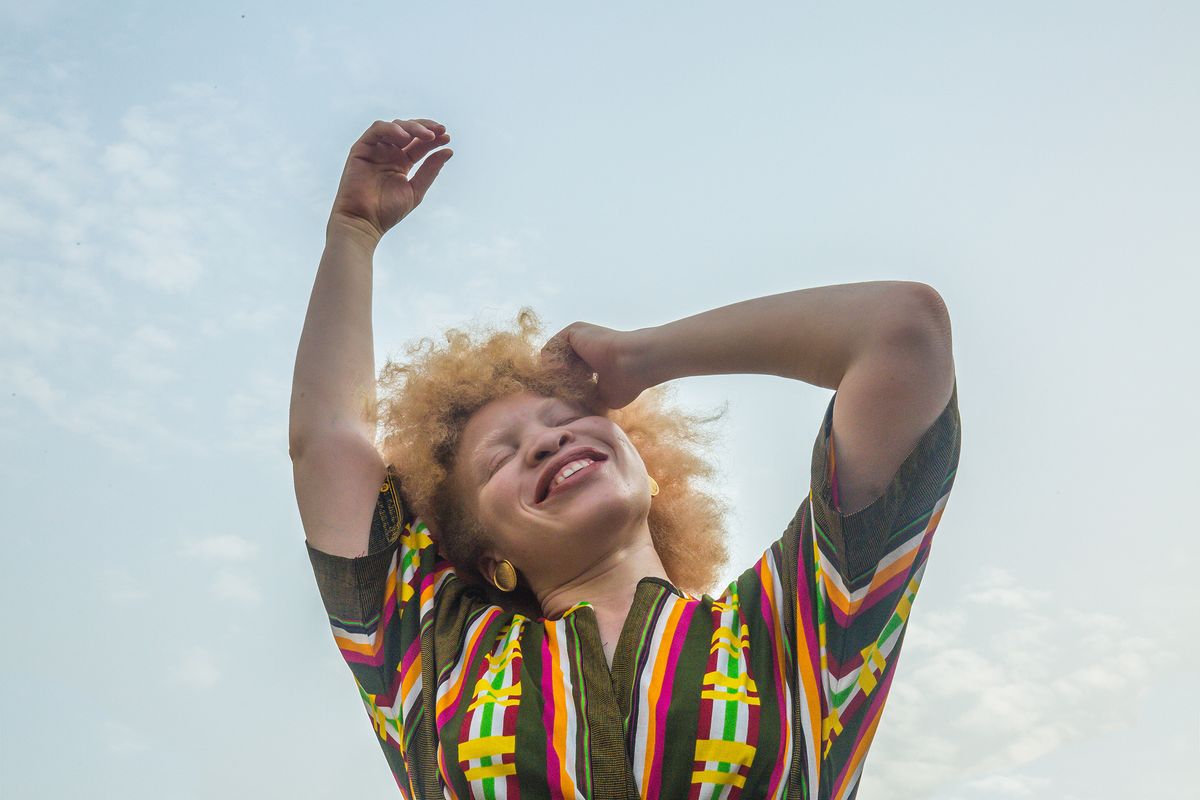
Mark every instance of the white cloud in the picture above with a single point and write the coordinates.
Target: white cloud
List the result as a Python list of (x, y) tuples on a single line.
[(137, 356), (1004, 680), (121, 420), (221, 547), (122, 740), (102, 234), (235, 586), (999, 588), (196, 668), (120, 588)]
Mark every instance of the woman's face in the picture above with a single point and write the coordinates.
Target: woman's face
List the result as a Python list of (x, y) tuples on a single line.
[(555, 488)]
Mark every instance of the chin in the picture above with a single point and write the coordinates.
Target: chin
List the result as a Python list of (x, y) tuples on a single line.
[(603, 513)]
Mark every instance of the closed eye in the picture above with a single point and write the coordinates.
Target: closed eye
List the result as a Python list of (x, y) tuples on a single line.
[(498, 463)]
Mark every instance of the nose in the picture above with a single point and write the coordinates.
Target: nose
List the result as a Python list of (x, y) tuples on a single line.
[(548, 442)]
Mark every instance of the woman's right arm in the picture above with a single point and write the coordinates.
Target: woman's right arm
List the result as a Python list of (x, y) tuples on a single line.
[(331, 432)]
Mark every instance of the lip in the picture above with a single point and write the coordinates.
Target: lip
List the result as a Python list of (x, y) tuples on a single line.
[(542, 490)]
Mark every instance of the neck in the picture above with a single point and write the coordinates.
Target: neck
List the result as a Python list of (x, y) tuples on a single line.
[(608, 584)]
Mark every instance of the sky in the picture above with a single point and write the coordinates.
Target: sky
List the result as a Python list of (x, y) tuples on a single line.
[(165, 176)]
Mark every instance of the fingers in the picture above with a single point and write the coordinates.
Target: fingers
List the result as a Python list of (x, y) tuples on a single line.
[(419, 148), (424, 177), (558, 350), (417, 129), (401, 132)]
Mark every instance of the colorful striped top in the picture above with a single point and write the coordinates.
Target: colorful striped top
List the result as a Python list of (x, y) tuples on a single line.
[(774, 689)]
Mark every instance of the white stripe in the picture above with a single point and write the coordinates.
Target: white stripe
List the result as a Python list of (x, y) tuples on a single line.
[(643, 693), (569, 698)]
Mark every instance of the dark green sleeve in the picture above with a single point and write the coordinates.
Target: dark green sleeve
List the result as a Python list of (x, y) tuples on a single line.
[(858, 576), (373, 603)]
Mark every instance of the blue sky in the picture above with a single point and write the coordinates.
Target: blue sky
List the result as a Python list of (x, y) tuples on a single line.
[(165, 176)]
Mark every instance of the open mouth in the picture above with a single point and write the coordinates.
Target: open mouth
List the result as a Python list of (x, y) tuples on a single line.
[(564, 468)]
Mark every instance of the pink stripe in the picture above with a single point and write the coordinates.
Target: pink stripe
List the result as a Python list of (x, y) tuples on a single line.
[(806, 614), (468, 659), (880, 592), (770, 615), (873, 711), (385, 616), (654, 779), (885, 589), (553, 763), (443, 780)]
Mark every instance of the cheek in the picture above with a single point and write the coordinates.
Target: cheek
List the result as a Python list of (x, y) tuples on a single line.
[(497, 503)]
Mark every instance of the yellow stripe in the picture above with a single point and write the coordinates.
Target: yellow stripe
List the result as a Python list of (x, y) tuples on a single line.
[(416, 540), (742, 681), (725, 634), (482, 687), (740, 697), (656, 680), (501, 661), (727, 648), (721, 778), (721, 750), (494, 771), (486, 746)]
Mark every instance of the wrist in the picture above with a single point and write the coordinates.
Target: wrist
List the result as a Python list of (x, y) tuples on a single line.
[(355, 232), (643, 360)]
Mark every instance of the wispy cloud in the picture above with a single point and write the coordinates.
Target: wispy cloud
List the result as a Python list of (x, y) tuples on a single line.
[(104, 237), (196, 668), (235, 586), (137, 356), (969, 709), (221, 547), (122, 740), (120, 588)]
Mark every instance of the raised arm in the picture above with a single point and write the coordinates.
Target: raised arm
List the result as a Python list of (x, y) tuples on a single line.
[(884, 346), (335, 465)]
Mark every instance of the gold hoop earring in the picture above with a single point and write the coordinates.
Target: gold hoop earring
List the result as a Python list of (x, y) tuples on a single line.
[(505, 576), (653, 488)]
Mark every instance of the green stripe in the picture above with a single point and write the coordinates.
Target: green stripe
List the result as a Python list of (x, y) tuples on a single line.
[(587, 734), (355, 623), (828, 541), (921, 520)]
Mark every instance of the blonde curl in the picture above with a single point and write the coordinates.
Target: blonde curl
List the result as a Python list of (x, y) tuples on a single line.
[(426, 400)]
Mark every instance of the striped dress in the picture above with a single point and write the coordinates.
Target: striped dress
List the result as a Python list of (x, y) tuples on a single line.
[(774, 689)]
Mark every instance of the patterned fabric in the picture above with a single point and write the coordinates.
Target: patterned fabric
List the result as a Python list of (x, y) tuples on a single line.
[(774, 689)]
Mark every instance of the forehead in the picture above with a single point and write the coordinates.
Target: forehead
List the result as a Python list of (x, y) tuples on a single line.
[(497, 417)]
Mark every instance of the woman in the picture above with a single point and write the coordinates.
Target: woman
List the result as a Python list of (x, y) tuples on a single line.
[(522, 619)]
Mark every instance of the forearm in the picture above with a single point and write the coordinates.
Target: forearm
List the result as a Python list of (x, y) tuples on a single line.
[(333, 386), (814, 335)]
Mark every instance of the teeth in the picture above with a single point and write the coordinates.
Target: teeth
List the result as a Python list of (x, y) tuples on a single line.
[(571, 469)]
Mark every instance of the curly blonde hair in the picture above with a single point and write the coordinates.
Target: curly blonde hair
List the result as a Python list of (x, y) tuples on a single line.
[(425, 403)]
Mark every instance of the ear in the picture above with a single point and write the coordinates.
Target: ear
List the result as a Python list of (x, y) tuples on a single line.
[(486, 564)]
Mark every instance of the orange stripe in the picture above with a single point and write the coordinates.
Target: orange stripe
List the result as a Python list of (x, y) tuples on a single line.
[(372, 648), (808, 678), (566, 786), (451, 696), (660, 668), (843, 602), (860, 752), (409, 679)]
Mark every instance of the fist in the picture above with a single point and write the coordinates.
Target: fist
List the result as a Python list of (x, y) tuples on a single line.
[(613, 356)]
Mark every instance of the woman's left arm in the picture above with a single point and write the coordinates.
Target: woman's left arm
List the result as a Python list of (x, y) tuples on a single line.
[(884, 346)]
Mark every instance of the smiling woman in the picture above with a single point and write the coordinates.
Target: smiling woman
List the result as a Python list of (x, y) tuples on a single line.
[(515, 574), (465, 408)]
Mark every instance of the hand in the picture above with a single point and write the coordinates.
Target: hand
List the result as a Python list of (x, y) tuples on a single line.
[(375, 191), (614, 356)]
